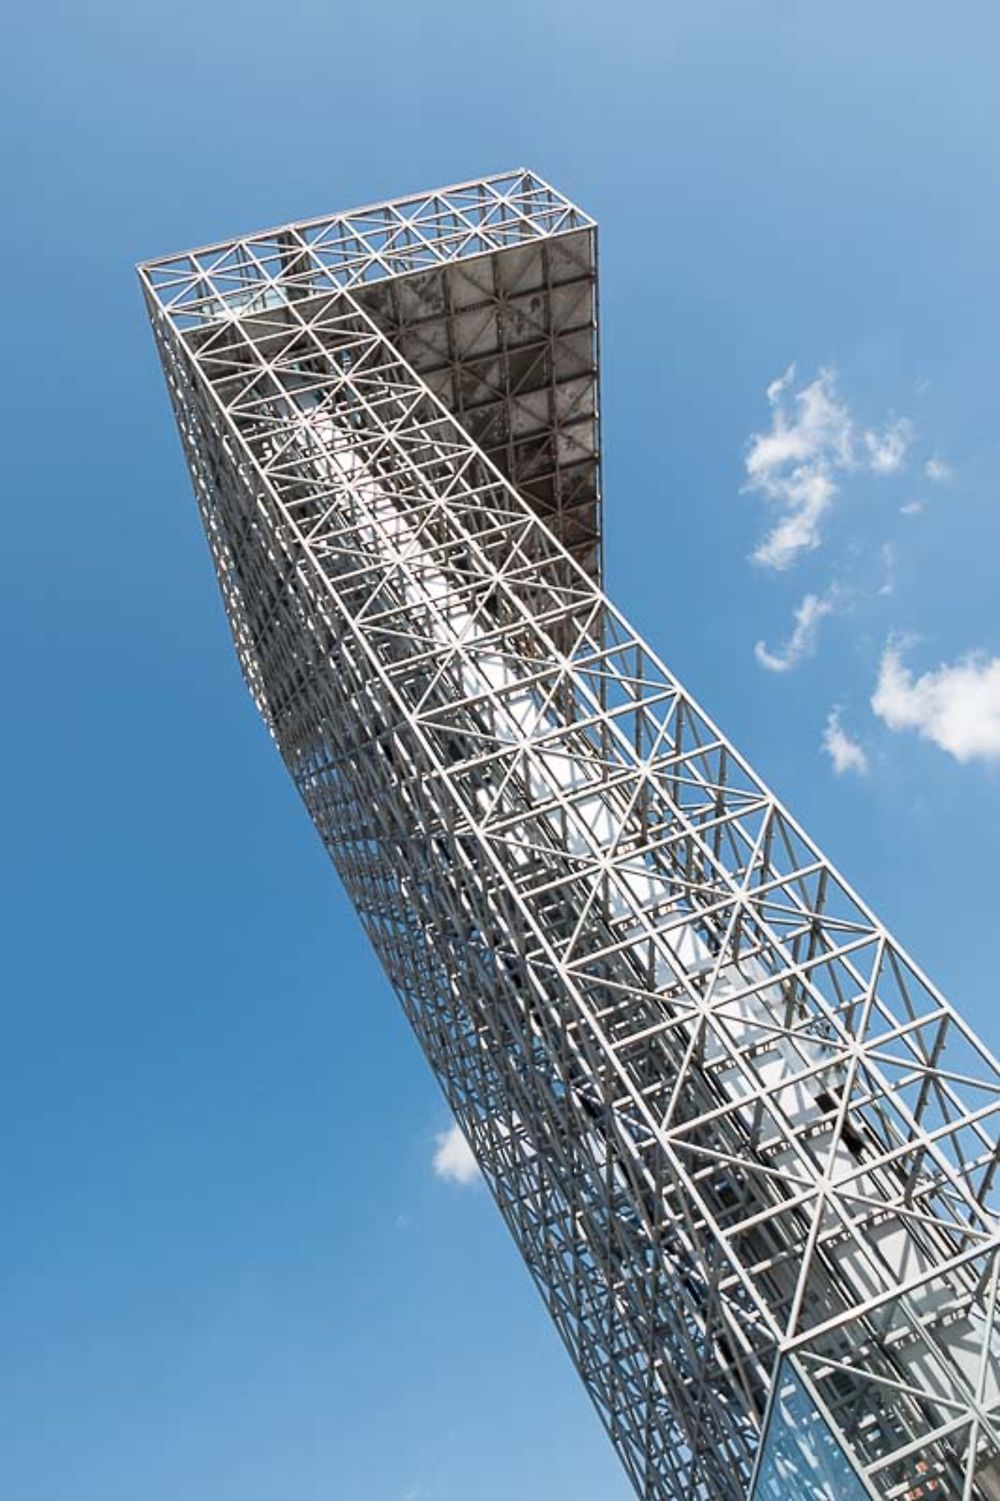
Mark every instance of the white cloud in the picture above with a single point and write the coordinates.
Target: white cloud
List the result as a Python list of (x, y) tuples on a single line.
[(912, 508), (845, 753), (886, 451), (808, 494), (453, 1159), (795, 466), (888, 584), (803, 638), (821, 427), (938, 470), (956, 707)]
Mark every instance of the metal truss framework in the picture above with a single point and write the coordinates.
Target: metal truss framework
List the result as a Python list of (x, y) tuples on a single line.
[(741, 1141)]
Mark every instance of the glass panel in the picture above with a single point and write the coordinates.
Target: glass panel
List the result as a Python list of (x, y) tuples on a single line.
[(801, 1458)]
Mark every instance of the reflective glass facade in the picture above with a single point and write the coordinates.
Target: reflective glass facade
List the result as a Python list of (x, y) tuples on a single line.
[(802, 1461)]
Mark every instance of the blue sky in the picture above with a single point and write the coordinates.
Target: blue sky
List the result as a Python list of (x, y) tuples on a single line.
[(229, 1268)]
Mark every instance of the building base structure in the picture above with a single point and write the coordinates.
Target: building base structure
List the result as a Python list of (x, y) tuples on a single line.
[(745, 1147)]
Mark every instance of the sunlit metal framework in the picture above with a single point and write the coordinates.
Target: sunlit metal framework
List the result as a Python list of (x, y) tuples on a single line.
[(744, 1146)]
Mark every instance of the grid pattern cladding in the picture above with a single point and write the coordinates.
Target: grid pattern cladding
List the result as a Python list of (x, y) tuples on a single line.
[(739, 1138)]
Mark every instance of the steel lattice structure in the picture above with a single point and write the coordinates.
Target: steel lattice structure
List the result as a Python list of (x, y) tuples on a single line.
[(745, 1147)]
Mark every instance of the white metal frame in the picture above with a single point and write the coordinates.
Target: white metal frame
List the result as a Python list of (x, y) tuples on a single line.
[(727, 1119)]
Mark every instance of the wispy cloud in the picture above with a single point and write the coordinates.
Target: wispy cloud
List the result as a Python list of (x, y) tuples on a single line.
[(887, 450), (802, 641), (956, 706), (795, 466), (846, 754), (913, 508), (937, 470), (453, 1159)]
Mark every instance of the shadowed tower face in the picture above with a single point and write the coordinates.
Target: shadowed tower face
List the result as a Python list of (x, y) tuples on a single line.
[(745, 1148)]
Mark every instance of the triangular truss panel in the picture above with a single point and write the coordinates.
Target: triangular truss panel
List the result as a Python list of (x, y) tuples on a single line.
[(746, 1148), (488, 290)]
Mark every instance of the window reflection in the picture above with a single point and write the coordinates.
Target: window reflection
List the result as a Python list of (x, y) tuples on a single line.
[(802, 1459)]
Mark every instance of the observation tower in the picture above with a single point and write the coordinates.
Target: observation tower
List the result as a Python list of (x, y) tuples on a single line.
[(745, 1147)]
